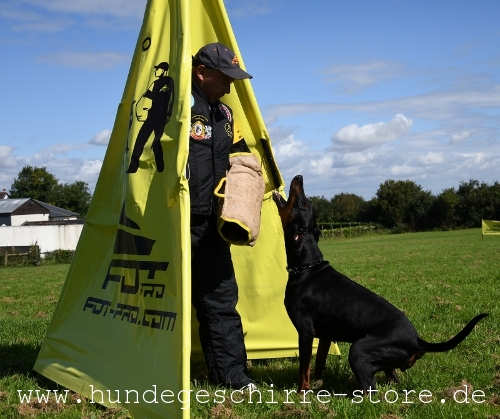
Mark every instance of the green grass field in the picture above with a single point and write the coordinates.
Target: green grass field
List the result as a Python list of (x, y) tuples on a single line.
[(439, 279)]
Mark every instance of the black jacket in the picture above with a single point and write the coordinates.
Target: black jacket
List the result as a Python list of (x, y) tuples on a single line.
[(210, 143)]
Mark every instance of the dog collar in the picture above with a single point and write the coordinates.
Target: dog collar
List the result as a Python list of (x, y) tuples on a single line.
[(296, 269)]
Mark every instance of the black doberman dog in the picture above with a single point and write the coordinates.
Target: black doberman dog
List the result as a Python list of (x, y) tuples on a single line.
[(325, 304)]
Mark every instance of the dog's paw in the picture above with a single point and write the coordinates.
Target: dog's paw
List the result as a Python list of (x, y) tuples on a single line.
[(317, 384), (280, 201)]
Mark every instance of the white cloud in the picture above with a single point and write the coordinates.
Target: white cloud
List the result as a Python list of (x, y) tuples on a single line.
[(430, 159), (70, 170), (89, 171), (332, 170), (479, 160), (288, 147), (89, 60), (57, 149), (355, 137), (460, 136), (284, 110), (450, 105), (355, 159), (65, 169), (7, 160), (10, 166), (119, 8), (402, 170), (45, 16), (353, 78), (24, 20), (101, 138), (322, 166)]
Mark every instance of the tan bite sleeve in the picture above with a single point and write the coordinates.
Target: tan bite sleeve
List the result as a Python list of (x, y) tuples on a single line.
[(241, 193)]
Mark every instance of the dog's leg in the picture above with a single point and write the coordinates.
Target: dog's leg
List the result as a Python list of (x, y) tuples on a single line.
[(391, 375), (321, 354), (305, 354), (361, 365)]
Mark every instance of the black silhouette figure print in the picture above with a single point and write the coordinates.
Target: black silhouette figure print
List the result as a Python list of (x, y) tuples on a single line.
[(153, 109)]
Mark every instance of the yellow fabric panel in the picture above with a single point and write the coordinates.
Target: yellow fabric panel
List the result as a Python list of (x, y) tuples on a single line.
[(490, 227), (123, 318)]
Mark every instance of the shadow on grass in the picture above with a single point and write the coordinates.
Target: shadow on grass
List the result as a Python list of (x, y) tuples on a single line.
[(283, 374), (16, 368), (18, 359)]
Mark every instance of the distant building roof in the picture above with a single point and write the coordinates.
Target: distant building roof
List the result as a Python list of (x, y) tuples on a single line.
[(56, 212), (54, 222), (8, 206), (4, 195)]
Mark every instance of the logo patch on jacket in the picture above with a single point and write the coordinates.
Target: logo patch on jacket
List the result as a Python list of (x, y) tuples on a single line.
[(225, 110), (228, 129), (199, 128)]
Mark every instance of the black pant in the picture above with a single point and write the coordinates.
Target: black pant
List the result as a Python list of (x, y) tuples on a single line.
[(214, 295), (142, 138)]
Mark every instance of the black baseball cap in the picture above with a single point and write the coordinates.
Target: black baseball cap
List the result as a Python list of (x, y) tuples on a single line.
[(163, 66), (220, 58)]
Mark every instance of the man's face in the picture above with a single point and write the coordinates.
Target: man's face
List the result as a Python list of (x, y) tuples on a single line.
[(213, 83)]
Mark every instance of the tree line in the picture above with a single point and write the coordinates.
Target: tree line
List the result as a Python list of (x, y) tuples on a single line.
[(38, 183), (399, 204), (405, 206)]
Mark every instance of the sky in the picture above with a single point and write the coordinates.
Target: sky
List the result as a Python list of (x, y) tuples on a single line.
[(353, 92)]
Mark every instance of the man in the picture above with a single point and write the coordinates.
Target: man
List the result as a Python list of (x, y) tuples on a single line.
[(154, 109), (214, 288)]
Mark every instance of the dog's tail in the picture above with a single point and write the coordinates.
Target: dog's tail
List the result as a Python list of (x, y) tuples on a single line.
[(450, 344)]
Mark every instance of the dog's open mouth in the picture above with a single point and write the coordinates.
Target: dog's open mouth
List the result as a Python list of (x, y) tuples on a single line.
[(285, 207)]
